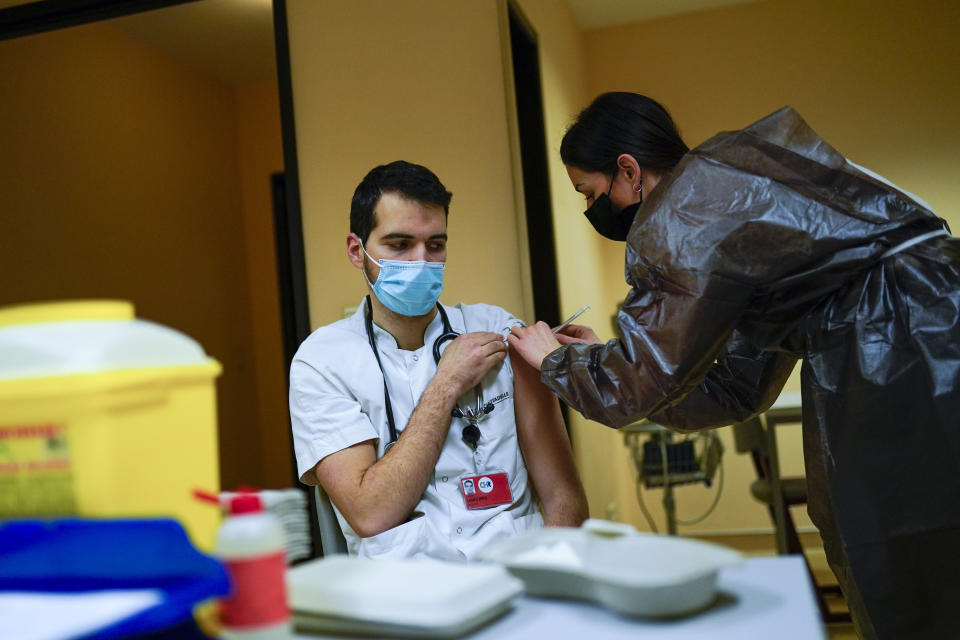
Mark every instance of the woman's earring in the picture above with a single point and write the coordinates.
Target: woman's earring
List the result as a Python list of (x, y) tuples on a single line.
[(638, 188)]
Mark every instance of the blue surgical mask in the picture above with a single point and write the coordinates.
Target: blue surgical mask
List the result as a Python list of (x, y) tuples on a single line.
[(407, 287)]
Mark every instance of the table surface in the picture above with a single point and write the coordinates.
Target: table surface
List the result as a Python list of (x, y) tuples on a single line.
[(765, 597)]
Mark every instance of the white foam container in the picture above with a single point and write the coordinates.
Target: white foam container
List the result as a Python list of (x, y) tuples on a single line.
[(399, 598), (613, 565)]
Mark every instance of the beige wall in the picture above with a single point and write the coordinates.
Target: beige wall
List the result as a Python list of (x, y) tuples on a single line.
[(122, 178), (880, 80), (420, 81)]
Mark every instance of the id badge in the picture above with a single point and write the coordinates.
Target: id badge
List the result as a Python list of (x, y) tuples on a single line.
[(486, 490)]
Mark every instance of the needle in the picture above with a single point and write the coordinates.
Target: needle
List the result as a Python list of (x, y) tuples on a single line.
[(572, 318)]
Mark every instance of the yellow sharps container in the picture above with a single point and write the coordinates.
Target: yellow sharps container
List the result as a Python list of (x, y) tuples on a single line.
[(105, 415)]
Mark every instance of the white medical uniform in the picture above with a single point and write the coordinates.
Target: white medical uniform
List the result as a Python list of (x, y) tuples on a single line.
[(337, 400)]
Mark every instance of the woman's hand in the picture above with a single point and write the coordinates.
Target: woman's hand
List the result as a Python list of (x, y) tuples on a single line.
[(534, 343), (577, 333)]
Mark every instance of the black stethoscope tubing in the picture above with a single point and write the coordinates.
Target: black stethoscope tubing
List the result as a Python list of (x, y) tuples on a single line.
[(447, 335), (368, 319)]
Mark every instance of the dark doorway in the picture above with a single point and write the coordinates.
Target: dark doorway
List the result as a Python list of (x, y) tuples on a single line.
[(294, 315), (536, 183)]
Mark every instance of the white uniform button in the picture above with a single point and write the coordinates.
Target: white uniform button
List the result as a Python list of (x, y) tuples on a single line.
[(459, 529), (416, 358), (443, 478)]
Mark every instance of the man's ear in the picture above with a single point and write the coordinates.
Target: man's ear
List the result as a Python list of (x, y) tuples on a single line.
[(354, 250), (629, 168)]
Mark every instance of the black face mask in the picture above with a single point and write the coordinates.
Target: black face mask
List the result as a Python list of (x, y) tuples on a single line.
[(609, 223)]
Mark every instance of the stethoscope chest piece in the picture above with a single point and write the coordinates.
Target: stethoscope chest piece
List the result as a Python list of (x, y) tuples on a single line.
[(471, 435)]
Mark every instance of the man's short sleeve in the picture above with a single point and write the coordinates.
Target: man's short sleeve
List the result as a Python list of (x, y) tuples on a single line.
[(326, 417), (485, 317), (509, 322)]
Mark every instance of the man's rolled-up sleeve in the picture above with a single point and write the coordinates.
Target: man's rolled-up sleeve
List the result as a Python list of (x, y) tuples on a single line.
[(325, 415)]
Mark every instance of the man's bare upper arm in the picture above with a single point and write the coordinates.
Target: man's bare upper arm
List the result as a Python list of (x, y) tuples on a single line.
[(340, 474), (545, 446)]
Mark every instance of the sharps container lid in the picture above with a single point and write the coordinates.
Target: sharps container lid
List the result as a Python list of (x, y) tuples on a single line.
[(87, 336)]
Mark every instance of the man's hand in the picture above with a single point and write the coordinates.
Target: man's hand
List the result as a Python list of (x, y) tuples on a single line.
[(468, 358)]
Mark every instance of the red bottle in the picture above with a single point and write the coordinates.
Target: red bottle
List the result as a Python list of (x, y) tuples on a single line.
[(250, 542)]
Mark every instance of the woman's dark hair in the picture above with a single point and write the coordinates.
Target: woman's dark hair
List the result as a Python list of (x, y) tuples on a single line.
[(621, 122), (412, 181)]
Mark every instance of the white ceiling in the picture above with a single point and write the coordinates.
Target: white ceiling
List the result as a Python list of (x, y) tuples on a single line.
[(233, 39)]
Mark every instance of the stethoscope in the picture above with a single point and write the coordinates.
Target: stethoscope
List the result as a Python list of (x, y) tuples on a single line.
[(471, 432)]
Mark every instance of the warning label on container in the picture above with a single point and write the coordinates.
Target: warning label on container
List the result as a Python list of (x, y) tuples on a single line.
[(36, 477)]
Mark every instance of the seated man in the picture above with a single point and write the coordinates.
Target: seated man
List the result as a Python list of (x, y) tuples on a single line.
[(372, 397)]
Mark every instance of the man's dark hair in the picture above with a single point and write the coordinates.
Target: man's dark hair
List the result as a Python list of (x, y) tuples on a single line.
[(620, 122), (412, 181)]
